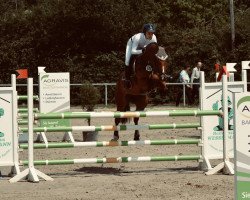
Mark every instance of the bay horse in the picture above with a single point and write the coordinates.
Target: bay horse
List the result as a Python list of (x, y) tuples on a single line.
[(150, 74)]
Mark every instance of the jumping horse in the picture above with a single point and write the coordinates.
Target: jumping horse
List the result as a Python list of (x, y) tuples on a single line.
[(149, 74)]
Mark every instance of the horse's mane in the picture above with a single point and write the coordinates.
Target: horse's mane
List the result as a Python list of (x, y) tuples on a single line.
[(151, 49), (149, 53)]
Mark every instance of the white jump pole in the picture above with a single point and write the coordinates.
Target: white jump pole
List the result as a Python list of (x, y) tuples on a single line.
[(31, 174), (226, 166), (14, 169)]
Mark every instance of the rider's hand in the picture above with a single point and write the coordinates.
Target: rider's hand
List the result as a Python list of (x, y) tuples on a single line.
[(143, 49)]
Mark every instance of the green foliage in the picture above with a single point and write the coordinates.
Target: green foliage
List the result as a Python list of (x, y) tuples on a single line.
[(88, 38), (89, 96)]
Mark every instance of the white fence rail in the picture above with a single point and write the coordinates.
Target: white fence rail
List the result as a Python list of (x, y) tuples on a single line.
[(107, 85)]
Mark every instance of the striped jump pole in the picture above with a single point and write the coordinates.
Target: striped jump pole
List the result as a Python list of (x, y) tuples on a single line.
[(25, 110), (112, 143), (114, 160), (25, 97), (88, 115), (22, 122), (25, 122), (112, 128)]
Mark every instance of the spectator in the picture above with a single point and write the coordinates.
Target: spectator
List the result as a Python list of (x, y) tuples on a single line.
[(195, 78), (184, 78), (217, 66)]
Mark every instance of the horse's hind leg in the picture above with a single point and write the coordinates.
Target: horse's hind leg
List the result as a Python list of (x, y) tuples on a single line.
[(137, 133), (116, 133)]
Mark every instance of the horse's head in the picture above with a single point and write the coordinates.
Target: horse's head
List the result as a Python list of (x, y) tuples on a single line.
[(156, 65), (156, 57), (151, 69)]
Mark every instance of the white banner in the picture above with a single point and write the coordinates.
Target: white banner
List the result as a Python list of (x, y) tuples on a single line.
[(242, 145), (6, 127), (54, 95)]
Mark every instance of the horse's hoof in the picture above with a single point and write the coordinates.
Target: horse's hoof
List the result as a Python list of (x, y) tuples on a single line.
[(136, 139)]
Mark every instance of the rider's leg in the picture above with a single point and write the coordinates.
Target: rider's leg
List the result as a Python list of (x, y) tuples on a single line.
[(129, 71), (127, 77), (130, 67)]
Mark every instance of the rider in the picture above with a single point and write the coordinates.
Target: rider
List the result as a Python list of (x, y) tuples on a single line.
[(135, 46)]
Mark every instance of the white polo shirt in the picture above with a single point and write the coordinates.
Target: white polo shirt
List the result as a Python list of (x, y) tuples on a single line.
[(135, 45)]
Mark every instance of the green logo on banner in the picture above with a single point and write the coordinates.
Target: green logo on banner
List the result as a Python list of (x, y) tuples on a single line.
[(243, 106), (1, 134), (1, 112), (243, 190), (52, 81), (218, 106), (45, 76)]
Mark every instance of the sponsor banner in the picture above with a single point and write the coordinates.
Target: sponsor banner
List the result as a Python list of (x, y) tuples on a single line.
[(242, 145), (54, 93), (6, 127), (212, 126)]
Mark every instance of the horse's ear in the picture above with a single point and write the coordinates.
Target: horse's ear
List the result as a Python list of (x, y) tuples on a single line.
[(165, 48)]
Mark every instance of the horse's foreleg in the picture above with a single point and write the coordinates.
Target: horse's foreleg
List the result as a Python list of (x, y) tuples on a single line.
[(116, 133), (137, 133), (140, 106)]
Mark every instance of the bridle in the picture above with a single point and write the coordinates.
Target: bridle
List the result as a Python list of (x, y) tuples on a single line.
[(158, 68), (155, 64)]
